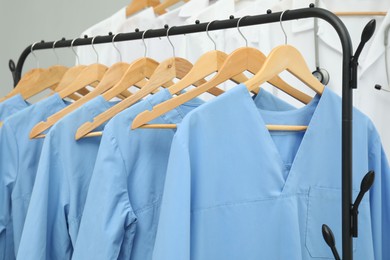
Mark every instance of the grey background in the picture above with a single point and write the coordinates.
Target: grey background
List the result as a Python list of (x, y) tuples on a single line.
[(25, 22)]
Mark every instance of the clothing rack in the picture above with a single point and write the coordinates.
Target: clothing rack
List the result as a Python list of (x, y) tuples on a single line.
[(349, 82)]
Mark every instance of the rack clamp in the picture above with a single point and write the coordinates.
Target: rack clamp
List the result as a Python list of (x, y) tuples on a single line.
[(367, 33), (327, 233), (365, 186), (12, 68)]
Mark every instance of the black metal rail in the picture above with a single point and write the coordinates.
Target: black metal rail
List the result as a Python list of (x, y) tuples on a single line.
[(348, 82)]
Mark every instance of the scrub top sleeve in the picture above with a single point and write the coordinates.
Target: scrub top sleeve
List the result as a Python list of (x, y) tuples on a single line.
[(8, 171), (173, 233), (108, 224), (380, 200), (45, 233)]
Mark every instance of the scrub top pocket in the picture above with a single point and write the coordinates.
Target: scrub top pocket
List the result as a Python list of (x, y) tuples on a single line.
[(323, 208)]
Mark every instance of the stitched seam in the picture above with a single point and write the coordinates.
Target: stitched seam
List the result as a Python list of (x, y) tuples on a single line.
[(114, 142), (149, 206), (22, 197), (17, 159), (243, 202), (73, 220)]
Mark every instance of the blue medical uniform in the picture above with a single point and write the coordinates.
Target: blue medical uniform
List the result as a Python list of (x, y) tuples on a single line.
[(57, 201), (19, 156), (122, 209), (233, 190), (11, 106)]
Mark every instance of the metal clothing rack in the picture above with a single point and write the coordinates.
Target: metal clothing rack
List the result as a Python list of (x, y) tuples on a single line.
[(349, 82)]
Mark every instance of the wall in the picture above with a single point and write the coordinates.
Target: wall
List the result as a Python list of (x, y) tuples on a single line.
[(25, 22)]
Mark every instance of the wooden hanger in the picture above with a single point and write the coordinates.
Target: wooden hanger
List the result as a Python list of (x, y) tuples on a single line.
[(373, 13), (161, 8), (89, 75), (158, 7), (110, 78), (138, 5), (243, 59), (136, 74), (207, 64), (70, 76), (281, 58), (112, 75), (164, 73), (37, 80)]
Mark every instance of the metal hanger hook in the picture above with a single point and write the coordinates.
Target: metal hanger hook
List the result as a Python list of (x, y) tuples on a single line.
[(116, 48), (75, 53), (239, 30), (143, 41), (281, 26), (207, 31), (35, 56), (93, 47), (55, 53), (173, 47)]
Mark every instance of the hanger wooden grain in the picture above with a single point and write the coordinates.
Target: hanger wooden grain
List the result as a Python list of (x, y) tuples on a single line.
[(90, 74), (242, 59), (70, 75), (281, 58), (207, 64), (110, 78), (36, 81), (138, 70), (161, 8), (138, 5), (360, 13)]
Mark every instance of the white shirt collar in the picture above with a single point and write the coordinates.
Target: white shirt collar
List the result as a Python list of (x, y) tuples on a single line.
[(377, 47), (218, 10), (193, 7), (118, 18)]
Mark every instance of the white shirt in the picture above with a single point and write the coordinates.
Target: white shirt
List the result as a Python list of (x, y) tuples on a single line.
[(376, 104), (86, 53), (371, 62)]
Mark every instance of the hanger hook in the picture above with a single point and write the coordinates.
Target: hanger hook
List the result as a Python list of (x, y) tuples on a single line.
[(93, 47), (35, 56), (239, 30), (55, 53), (173, 47), (143, 41), (207, 31), (116, 48), (75, 53), (281, 26)]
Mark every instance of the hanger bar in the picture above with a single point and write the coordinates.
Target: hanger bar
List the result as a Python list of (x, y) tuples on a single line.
[(269, 127), (360, 13), (174, 126), (178, 30), (347, 75), (92, 134)]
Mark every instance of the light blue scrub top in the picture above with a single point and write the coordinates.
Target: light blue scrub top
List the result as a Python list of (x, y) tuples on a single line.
[(64, 171), (235, 191), (19, 157), (11, 106), (122, 209)]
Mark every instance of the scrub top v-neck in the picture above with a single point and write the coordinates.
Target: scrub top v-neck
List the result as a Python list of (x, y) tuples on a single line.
[(227, 195), (285, 147)]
